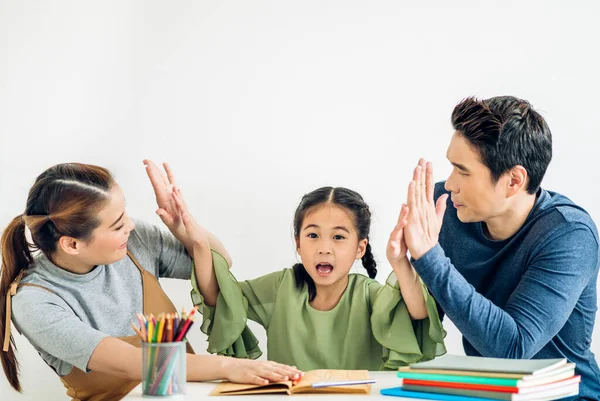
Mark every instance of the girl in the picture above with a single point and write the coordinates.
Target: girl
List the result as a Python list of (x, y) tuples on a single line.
[(75, 299), (316, 315)]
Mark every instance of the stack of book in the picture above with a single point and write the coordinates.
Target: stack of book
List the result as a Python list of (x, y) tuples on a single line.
[(457, 378)]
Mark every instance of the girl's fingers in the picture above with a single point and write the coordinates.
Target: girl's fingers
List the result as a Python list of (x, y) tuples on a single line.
[(177, 200), (403, 214), (287, 370), (164, 216), (180, 207), (272, 376), (181, 197), (396, 232), (254, 379)]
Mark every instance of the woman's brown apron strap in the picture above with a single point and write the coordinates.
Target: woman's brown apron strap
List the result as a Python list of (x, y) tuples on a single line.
[(12, 290), (135, 261)]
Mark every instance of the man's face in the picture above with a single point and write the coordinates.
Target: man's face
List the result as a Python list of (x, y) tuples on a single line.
[(474, 195)]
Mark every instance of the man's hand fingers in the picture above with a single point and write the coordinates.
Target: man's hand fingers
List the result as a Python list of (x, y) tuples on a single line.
[(429, 184), (417, 185), (411, 199)]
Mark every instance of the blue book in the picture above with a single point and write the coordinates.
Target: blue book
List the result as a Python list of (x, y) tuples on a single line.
[(398, 392)]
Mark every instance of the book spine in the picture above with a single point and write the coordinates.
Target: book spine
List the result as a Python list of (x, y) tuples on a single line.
[(460, 379), (466, 386)]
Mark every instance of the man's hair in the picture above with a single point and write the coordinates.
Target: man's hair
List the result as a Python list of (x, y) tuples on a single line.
[(506, 132)]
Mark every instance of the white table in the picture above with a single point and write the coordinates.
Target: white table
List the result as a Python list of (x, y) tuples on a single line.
[(201, 391)]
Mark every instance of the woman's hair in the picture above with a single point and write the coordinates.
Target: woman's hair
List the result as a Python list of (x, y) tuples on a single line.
[(63, 201), (344, 198)]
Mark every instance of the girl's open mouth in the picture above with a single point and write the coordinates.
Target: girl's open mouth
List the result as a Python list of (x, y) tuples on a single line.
[(324, 269)]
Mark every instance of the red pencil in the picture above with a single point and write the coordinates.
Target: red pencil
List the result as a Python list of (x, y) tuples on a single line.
[(183, 328)]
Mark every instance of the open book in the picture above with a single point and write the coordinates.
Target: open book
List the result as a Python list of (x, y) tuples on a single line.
[(305, 385)]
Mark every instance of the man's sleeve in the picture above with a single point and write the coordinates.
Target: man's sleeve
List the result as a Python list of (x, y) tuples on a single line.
[(537, 309)]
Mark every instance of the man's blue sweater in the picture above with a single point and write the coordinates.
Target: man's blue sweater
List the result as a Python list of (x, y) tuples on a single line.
[(532, 295)]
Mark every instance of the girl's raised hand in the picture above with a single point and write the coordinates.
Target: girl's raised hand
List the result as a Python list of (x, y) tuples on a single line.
[(396, 247), (195, 233)]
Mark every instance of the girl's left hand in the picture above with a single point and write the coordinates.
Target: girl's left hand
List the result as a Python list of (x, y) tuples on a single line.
[(396, 247), (195, 233)]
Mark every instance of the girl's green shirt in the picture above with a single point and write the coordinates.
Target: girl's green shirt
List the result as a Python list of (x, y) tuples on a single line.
[(369, 328)]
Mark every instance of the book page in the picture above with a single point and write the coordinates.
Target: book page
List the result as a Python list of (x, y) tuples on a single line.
[(227, 387), (329, 375)]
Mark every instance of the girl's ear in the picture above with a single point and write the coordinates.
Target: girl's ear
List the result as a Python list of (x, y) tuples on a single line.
[(297, 244), (362, 248)]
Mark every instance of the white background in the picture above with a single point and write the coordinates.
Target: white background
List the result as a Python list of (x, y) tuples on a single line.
[(255, 103)]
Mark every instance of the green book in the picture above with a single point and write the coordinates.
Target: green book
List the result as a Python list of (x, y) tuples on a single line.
[(459, 379)]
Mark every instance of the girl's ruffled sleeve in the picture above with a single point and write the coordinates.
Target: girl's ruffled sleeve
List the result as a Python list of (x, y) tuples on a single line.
[(405, 340), (225, 323)]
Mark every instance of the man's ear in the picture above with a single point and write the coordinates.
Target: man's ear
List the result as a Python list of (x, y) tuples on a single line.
[(362, 248), (518, 179), (70, 245)]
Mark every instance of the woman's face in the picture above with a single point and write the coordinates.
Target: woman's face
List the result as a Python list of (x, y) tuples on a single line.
[(109, 240)]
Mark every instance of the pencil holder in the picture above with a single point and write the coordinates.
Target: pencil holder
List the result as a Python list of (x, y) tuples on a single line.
[(163, 369)]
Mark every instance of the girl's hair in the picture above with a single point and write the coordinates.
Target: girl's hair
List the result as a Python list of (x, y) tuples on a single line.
[(63, 201), (347, 199)]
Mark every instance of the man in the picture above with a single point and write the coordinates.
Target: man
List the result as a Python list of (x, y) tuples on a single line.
[(513, 266)]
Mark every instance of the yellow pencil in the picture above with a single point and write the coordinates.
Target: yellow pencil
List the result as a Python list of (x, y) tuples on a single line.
[(161, 327), (150, 330)]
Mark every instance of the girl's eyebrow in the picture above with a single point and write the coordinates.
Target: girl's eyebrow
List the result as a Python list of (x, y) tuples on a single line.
[(310, 226), (335, 228)]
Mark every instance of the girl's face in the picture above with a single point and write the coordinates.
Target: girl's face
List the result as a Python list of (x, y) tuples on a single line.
[(328, 244), (109, 240)]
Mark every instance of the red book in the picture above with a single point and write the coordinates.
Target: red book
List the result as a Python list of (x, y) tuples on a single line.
[(484, 387)]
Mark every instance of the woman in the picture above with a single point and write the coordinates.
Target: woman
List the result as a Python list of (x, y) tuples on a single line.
[(75, 299)]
